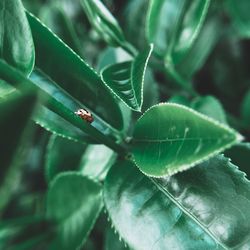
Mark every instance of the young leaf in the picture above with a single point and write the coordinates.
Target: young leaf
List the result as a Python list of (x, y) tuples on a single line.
[(170, 138), (126, 79), (104, 23), (16, 44), (189, 210), (74, 202), (78, 79), (174, 25), (62, 155)]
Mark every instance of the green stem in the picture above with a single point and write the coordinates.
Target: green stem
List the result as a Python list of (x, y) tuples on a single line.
[(15, 78)]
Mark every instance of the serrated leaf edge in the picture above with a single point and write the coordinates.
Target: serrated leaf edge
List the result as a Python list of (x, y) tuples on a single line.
[(143, 77), (238, 138)]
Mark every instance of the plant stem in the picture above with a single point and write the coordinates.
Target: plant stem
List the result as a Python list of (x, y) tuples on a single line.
[(128, 47), (19, 81)]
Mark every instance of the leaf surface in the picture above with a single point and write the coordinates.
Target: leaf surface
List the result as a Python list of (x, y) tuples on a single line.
[(62, 155), (73, 74), (126, 79), (170, 138), (16, 43), (74, 202), (189, 210)]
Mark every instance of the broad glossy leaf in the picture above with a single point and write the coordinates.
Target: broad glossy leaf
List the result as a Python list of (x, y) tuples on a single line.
[(73, 75), (62, 155), (170, 138), (16, 43), (74, 202), (240, 156), (173, 26), (96, 161), (113, 241), (126, 79), (238, 11), (245, 108), (189, 210), (210, 106), (103, 22)]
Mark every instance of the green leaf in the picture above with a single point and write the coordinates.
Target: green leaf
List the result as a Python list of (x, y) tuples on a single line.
[(78, 79), (52, 122), (239, 14), (173, 26), (96, 161), (62, 155), (210, 106), (74, 202), (202, 47), (189, 210), (16, 44), (103, 22), (245, 108), (240, 156), (15, 113), (126, 79), (15, 78), (170, 138)]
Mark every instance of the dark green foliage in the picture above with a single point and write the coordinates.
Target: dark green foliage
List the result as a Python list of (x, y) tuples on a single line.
[(151, 179)]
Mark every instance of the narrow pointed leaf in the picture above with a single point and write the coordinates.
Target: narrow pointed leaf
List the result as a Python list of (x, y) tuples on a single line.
[(189, 210), (78, 78), (126, 79), (16, 43), (51, 122), (103, 22), (170, 138), (174, 25), (74, 202)]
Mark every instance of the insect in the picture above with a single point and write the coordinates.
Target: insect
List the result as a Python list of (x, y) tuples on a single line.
[(85, 115)]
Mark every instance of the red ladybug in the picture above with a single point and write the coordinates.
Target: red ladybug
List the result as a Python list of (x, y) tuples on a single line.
[(85, 115)]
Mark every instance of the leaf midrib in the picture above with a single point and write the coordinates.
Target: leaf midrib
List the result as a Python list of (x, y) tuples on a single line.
[(185, 211)]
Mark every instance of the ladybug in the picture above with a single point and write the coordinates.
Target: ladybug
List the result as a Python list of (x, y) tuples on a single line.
[(85, 115)]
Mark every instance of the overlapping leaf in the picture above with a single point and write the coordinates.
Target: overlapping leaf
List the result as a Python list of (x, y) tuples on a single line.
[(189, 210), (103, 21), (16, 43), (170, 138), (126, 79), (72, 74), (74, 202)]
